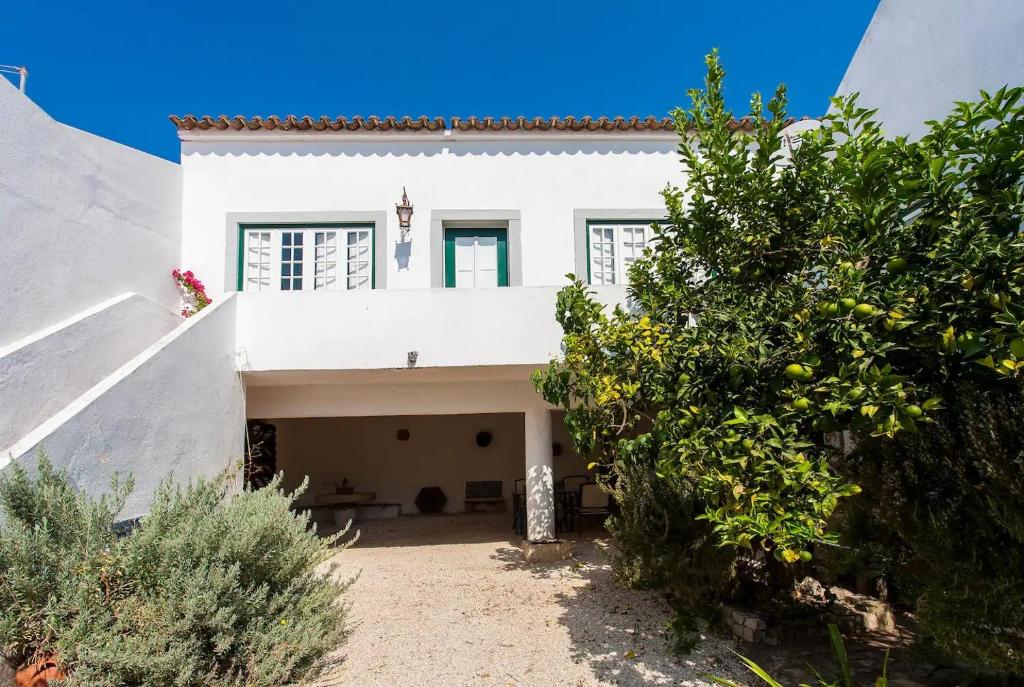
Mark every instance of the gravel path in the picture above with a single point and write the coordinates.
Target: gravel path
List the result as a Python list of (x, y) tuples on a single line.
[(449, 601)]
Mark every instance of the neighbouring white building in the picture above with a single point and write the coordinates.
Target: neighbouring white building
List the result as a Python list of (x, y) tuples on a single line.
[(919, 56)]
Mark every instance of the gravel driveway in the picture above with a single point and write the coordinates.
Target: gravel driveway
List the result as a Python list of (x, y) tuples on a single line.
[(449, 601)]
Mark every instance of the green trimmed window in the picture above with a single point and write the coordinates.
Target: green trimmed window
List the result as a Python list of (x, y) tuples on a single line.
[(475, 258), (612, 247), (306, 258)]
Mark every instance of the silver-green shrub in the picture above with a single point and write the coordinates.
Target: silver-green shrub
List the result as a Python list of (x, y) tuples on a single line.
[(211, 588)]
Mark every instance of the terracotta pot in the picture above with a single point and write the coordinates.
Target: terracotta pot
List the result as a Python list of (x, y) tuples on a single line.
[(38, 674)]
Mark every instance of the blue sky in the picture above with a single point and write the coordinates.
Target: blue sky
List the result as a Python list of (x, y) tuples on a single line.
[(119, 69)]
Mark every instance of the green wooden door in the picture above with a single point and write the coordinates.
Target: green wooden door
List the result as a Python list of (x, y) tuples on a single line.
[(475, 258)]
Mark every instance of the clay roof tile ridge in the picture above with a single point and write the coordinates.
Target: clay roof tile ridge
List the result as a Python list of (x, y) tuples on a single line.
[(190, 122)]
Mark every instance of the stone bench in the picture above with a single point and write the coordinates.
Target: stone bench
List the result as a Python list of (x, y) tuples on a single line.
[(485, 493)]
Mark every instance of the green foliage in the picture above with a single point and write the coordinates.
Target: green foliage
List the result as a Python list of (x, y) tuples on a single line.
[(682, 630), (56, 556), (845, 678), (660, 543), (832, 282), (836, 282), (951, 502), (208, 589)]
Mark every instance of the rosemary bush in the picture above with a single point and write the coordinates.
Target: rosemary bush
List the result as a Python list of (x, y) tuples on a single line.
[(209, 589)]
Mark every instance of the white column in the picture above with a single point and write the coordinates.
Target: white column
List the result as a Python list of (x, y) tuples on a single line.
[(540, 482)]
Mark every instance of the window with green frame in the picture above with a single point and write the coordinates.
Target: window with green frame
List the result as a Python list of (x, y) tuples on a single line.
[(475, 258), (315, 257)]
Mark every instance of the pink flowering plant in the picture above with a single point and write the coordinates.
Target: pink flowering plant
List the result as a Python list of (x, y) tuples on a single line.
[(193, 293)]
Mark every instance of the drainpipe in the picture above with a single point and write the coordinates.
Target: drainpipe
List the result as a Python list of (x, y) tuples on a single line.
[(22, 73)]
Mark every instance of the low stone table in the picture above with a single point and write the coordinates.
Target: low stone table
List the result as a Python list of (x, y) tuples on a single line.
[(351, 499)]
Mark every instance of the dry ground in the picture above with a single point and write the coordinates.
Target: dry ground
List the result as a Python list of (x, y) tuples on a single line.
[(448, 601)]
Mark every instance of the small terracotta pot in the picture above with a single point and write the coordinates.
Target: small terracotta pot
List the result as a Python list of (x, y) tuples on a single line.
[(38, 674)]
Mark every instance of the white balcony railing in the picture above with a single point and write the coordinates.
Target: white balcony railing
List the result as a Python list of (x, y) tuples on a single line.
[(363, 330)]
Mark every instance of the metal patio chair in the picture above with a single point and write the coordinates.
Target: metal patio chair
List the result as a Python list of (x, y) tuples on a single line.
[(519, 506), (593, 503), (570, 495)]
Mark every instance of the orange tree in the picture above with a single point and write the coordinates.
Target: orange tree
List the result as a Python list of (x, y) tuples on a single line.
[(839, 281)]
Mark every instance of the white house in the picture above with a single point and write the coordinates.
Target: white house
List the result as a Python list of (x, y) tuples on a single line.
[(387, 357), (351, 328), (378, 353)]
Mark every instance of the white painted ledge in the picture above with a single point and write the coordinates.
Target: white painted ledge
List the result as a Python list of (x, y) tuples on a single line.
[(41, 372), (175, 408)]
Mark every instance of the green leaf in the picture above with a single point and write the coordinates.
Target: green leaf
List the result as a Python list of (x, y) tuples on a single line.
[(760, 672), (883, 679), (720, 680), (839, 651)]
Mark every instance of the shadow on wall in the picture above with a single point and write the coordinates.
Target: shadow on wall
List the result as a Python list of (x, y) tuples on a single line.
[(458, 148), (403, 252)]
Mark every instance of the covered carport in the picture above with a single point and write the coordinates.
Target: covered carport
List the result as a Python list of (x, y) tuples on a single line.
[(386, 435)]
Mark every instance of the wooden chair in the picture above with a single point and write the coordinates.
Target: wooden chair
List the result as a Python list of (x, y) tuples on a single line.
[(593, 503)]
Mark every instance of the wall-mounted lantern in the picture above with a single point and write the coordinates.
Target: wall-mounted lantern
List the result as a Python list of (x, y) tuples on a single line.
[(404, 210)]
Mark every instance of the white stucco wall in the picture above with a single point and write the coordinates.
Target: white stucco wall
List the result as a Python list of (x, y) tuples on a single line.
[(41, 374), (176, 408), (543, 178), (919, 56), (84, 219), (441, 451), (327, 330)]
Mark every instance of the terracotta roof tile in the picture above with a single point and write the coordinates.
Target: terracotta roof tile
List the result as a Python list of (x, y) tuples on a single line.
[(307, 123), (391, 123), (562, 124)]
